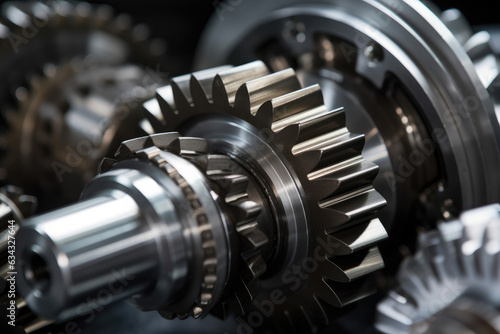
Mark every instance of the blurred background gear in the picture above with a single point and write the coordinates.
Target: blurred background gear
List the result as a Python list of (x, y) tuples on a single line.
[(70, 105), (451, 284)]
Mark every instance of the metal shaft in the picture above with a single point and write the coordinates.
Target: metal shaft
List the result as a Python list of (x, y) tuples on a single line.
[(105, 248)]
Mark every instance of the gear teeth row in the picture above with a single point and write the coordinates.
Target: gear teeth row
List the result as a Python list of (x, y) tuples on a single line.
[(23, 15), (460, 256), (231, 189), (324, 154), (148, 148)]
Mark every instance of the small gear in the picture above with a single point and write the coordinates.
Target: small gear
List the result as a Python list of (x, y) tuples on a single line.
[(319, 150), (71, 118), (461, 257), (229, 190)]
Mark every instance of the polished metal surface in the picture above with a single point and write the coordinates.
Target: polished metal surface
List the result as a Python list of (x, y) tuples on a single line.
[(308, 165), (461, 258), (453, 157), (202, 232)]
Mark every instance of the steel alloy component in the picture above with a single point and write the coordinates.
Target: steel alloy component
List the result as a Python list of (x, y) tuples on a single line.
[(310, 167), (157, 224), (461, 258), (14, 207), (418, 84), (294, 162), (69, 120), (60, 32)]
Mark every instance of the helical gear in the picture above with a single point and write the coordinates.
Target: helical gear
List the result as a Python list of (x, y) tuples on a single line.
[(82, 37), (460, 257), (69, 120), (321, 152), (229, 189)]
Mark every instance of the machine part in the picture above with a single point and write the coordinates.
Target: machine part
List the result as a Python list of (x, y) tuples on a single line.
[(418, 84), (68, 121), (60, 32), (14, 207), (461, 258), (293, 157)]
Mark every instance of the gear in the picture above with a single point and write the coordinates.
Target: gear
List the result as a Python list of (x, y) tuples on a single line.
[(81, 38), (68, 121), (318, 149), (275, 149), (230, 190), (460, 258)]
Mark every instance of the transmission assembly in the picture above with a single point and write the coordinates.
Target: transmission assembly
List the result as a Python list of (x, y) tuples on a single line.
[(331, 166)]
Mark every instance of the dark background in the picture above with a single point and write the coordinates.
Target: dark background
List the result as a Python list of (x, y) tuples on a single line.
[(180, 22)]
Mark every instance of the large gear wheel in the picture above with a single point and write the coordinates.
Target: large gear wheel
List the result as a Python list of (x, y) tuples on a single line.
[(265, 145), (325, 158), (459, 260)]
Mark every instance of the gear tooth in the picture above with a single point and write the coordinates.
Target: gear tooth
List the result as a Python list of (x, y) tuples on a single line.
[(218, 164), (246, 210), (349, 209), (265, 114), (201, 84), (339, 178), (129, 147), (334, 147), (164, 140), (253, 239), (479, 45), (359, 237), (351, 267), (106, 165), (16, 17), (192, 146), (154, 114), (234, 187), (168, 108), (456, 22), (342, 294), (226, 83), (296, 102), (306, 161), (251, 95), (286, 139), (182, 93)]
